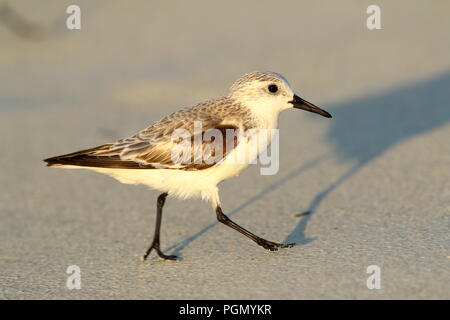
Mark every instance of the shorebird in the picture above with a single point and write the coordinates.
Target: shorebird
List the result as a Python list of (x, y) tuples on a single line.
[(254, 101)]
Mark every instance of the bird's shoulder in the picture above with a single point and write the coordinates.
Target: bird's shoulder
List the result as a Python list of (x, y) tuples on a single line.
[(210, 112)]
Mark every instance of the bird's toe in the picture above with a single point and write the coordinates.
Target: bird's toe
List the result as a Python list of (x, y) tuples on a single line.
[(168, 258)]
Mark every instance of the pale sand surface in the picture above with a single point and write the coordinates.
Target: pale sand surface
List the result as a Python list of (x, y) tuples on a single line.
[(377, 175)]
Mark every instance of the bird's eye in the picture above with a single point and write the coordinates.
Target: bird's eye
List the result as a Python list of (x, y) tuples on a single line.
[(273, 88)]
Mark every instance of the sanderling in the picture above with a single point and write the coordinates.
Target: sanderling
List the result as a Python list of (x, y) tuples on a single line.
[(254, 102)]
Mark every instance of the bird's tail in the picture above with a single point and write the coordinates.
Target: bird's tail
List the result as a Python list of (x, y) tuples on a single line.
[(79, 158)]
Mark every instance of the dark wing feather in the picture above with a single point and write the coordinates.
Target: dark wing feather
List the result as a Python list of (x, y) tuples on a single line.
[(89, 158)]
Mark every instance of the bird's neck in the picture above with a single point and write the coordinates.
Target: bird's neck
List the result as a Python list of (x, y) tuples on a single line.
[(265, 117)]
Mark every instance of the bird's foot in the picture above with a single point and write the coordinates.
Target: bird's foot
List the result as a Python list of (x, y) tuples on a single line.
[(161, 255), (167, 257), (273, 246)]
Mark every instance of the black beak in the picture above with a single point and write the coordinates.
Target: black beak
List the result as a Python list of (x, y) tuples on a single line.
[(299, 103)]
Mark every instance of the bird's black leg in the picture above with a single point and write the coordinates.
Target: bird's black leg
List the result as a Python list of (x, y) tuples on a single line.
[(156, 242), (269, 245)]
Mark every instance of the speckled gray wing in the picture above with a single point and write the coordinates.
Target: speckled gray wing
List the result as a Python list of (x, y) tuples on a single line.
[(152, 147)]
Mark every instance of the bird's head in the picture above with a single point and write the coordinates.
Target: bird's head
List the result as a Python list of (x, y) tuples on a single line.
[(268, 93)]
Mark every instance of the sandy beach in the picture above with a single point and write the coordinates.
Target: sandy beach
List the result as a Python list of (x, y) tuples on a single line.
[(376, 176)]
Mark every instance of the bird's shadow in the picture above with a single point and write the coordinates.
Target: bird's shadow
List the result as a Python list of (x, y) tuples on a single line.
[(361, 130)]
